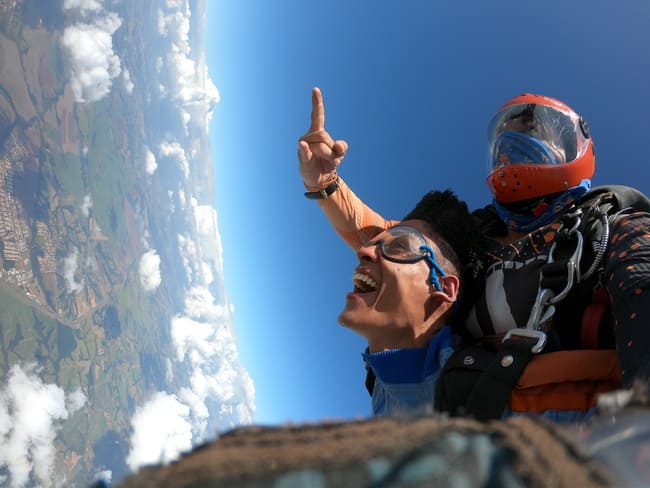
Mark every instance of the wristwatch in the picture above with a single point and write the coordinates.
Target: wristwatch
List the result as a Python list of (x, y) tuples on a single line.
[(323, 192)]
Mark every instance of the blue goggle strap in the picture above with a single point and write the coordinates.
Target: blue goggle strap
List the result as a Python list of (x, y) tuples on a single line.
[(436, 270)]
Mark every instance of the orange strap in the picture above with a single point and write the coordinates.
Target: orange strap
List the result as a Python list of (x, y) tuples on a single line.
[(566, 380)]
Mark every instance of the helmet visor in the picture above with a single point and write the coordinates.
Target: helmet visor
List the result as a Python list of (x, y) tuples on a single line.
[(535, 134)]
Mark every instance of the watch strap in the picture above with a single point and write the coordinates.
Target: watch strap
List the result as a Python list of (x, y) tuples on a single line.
[(323, 192)]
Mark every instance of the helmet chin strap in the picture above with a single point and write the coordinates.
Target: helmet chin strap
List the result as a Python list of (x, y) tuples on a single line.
[(544, 212)]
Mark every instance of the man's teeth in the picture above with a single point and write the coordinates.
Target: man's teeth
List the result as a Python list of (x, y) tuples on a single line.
[(363, 282)]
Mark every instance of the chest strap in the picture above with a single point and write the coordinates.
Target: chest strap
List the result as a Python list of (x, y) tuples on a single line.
[(492, 391)]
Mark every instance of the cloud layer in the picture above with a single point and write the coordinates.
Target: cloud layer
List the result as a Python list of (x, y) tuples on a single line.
[(216, 392), (172, 149), (184, 79), (83, 6), (94, 65), (70, 264), (150, 162), (220, 393), (149, 270), (161, 431), (86, 205), (31, 412)]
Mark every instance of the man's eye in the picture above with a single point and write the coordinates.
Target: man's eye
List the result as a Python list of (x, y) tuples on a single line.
[(399, 246)]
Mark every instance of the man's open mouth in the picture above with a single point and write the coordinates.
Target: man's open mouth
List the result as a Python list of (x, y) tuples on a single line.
[(363, 283)]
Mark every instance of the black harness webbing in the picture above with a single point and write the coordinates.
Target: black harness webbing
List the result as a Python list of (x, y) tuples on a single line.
[(490, 396)]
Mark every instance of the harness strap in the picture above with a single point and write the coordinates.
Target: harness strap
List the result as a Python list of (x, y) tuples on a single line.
[(370, 380), (491, 393), (554, 275), (589, 330), (566, 380)]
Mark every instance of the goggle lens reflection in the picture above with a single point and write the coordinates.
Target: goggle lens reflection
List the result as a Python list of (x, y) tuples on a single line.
[(401, 243)]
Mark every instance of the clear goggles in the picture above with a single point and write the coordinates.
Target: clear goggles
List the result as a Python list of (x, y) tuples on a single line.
[(406, 244), (537, 134)]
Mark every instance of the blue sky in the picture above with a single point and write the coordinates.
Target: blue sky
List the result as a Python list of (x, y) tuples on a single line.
[(411, 87)]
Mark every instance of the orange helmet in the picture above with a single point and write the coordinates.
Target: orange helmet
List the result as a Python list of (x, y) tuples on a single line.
[(537, 146)]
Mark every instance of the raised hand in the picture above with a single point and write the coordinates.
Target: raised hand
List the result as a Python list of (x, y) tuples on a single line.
[(318, 153)]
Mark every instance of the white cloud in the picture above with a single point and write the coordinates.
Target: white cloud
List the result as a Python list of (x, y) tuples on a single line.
[(149, 270), (94, 65), (188, 83), (206, 271), (31, 412), (86, 205), (76, 400), (200, 412), (175, 23), (169, 370), (191, 336), (199, 304), (220, 393), (176, 4), (172, 205), (174, 150), (198, 258), (181, 198), (206, 220), (128, 83), (205, 340), (205, 217), (150, 161), (189, 254), (84, 6), (144, 239), (191, 89), (69, 269), (161, 431)]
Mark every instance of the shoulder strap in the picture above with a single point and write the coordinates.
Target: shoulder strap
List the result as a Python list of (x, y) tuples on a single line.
[(370, 380), (580, 246), (489, 221), (622, 197), (478, 383), (491, 394)]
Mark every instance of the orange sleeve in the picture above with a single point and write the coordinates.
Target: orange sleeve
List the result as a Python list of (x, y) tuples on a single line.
[(352, 219)]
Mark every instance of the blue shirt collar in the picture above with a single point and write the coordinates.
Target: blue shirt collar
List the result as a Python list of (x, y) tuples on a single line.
[(409, 365)]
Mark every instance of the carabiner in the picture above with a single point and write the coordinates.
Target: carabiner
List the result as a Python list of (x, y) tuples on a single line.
[(542, 309), (573, 269)]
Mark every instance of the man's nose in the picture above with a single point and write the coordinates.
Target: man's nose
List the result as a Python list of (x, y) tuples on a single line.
[(368, 252)]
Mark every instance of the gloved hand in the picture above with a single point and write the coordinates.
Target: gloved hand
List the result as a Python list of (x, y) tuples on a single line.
[(318, 153)]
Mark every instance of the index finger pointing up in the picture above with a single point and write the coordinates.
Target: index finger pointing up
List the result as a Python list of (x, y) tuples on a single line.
[(317, 111)]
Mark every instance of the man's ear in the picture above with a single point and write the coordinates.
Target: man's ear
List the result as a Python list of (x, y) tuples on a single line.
[(450, 285)]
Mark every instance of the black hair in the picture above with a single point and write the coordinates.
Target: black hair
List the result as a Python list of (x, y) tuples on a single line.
[(461, 242)]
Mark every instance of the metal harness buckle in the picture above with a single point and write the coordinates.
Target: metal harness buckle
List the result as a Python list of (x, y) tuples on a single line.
[(529, 334)]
